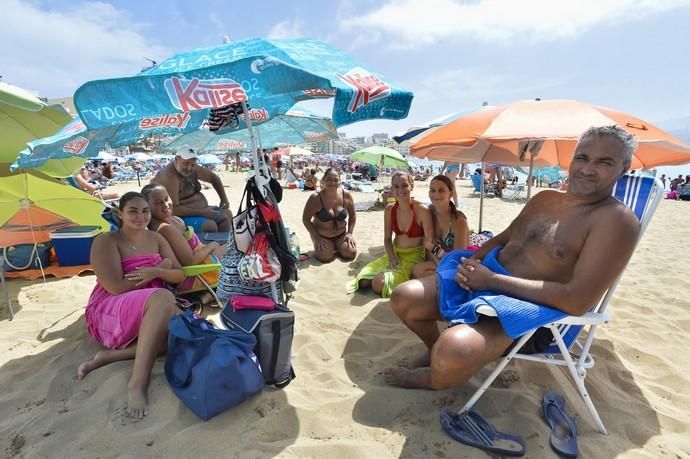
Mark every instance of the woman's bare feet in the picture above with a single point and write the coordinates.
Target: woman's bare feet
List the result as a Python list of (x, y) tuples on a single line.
[(137, 403), (411, 379), (97, 361), (104, 358)]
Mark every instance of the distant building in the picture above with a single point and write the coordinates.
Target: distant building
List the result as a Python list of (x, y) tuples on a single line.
[(66, 102), (380, 138)]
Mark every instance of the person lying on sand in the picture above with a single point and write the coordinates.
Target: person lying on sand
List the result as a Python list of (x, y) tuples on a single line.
[(130, 307), (563, 250)]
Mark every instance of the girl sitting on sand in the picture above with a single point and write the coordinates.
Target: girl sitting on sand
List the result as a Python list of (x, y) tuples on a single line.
[(450, 226), (184, 242), (129, 308), (407, 249), (329, 216)]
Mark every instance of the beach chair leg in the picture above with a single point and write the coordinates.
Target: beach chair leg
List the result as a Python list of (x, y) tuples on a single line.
[(579, 380), (7, 295), (499, 367), (211, 290)]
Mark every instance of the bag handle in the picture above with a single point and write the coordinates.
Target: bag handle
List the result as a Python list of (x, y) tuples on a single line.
[(203, 342), (17, 268)]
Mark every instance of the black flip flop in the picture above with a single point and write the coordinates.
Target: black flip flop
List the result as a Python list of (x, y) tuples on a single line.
[(473, 430), (563, 429)]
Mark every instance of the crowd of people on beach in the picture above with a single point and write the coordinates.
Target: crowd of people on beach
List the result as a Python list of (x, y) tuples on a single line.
[(558, 252)]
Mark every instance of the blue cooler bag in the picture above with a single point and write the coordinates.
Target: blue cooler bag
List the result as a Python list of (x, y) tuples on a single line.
[(210, 369)]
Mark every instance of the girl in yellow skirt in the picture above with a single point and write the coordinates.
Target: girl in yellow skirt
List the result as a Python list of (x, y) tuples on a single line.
[(410, 221)]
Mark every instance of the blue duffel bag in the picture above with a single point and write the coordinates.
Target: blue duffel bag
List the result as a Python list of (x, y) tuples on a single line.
[(210, 369)]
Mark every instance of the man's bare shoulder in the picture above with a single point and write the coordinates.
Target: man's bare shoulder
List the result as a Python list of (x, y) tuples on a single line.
[(165, 176), (616, 214)]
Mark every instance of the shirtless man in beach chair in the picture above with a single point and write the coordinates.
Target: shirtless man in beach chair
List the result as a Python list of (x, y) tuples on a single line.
[(564, 250), (181, 178)]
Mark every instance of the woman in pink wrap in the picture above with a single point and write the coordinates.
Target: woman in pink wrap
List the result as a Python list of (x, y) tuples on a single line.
[(130, 307)]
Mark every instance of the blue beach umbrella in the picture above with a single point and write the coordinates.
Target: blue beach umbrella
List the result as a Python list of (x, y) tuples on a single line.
[(208, 160), (296, 126), (359, 94), (121, 111)]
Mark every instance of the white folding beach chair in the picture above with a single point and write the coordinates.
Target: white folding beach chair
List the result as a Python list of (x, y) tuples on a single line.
[(571, 344), (513, 192)]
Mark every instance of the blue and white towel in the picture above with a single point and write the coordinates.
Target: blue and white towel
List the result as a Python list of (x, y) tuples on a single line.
[(458, 306)]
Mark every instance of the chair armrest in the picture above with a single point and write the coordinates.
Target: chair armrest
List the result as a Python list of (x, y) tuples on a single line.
[(589, 318), (193, 270)]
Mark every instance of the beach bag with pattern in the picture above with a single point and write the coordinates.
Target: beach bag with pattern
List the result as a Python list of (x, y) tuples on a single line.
[(231, 283)]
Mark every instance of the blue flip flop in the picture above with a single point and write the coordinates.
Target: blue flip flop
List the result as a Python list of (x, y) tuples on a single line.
[(473, 430), (563, 429)]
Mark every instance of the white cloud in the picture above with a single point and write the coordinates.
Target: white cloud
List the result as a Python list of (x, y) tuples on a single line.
[(480, 84), (414, 23), (54, 52), (287, 29)]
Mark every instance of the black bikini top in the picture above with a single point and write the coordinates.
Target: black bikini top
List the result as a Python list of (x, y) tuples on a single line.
[(325, 215)]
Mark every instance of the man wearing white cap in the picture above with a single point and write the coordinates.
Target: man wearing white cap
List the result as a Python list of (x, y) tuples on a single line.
[(181, 178)]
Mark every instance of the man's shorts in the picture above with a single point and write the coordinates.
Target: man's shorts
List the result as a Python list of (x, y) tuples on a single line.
[(196, 221)]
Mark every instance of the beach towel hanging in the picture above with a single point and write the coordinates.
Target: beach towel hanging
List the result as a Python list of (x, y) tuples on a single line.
[(260, 263), (227, 116)]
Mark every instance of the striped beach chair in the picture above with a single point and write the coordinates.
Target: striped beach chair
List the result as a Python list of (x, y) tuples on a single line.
[(573, 335)]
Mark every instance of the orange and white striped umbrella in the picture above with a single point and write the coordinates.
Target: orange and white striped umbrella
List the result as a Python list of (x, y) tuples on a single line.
[(496, 135)]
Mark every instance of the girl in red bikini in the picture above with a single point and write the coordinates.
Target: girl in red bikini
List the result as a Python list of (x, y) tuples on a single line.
[(410, 221)]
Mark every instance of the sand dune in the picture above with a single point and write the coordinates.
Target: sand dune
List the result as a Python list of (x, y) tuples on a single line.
[(339, 406)]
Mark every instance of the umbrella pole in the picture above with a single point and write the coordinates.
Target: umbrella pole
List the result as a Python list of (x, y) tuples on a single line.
[(258, 173), (529, 175), (481, 198)]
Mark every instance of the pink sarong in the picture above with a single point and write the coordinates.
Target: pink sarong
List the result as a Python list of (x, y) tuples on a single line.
[(114, 320)]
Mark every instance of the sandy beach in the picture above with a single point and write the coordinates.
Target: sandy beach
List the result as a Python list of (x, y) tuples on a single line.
[(339, 406)]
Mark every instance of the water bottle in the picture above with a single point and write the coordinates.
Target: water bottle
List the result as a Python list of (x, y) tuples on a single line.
[(294, 246), (293, 242)]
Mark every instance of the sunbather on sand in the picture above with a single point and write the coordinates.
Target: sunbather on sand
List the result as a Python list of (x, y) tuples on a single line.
[(450, 226), (186, 245), (329, 216), (83, 184), (395, 267), (129, 309), (563, 250)]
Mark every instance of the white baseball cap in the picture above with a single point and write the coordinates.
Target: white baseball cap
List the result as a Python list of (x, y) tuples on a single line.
[(186, 152)]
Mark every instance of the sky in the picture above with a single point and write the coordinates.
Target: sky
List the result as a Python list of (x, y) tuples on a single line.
[(631, 55)]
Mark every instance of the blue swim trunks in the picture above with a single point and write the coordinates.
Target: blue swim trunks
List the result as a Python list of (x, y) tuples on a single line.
[(453, 167), (196, 221)]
